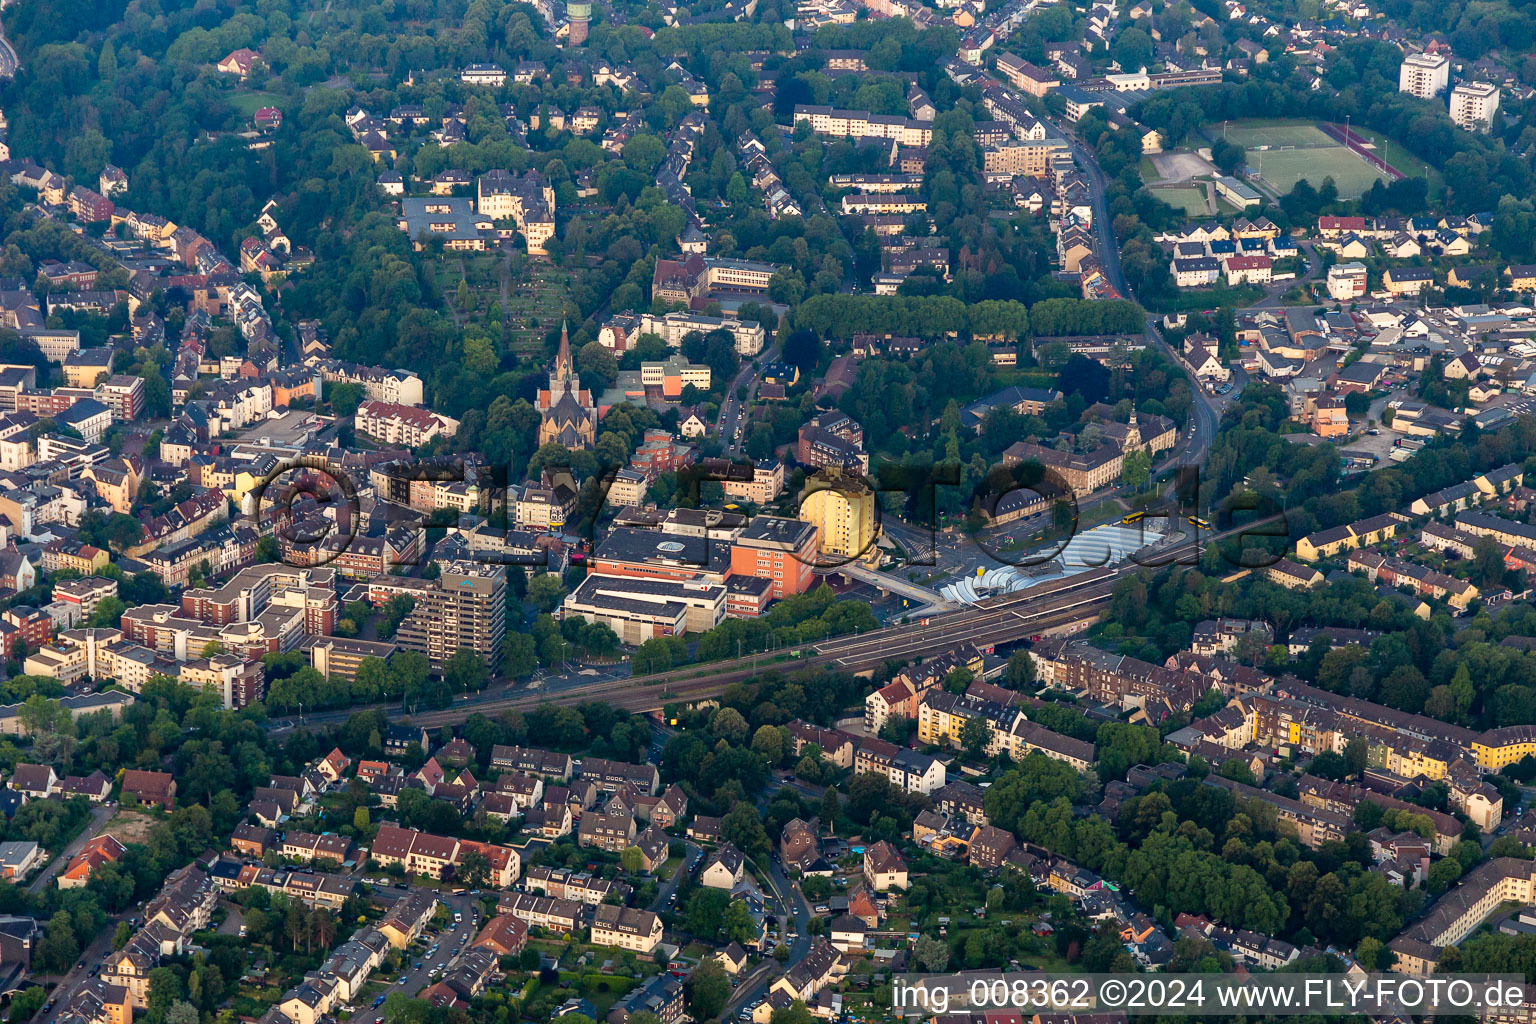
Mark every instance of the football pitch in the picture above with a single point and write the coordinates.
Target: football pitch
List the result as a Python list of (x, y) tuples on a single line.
[(1284, 153), (1189, 198), (1273, 136)]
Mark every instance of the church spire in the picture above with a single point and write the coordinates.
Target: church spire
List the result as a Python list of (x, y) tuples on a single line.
[(563, 364)]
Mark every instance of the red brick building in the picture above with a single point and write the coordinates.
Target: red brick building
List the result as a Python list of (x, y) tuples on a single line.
[(33, 625), (89, 205)]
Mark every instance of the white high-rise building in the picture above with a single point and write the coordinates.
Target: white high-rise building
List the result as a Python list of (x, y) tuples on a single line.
[(1425, 75), (1473, 105)]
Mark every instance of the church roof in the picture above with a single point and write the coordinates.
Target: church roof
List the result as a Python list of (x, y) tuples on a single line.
[(564, 365)]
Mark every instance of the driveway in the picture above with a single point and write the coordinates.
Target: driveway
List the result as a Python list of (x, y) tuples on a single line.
[(234, 920), (1275, 293), (100, 815)]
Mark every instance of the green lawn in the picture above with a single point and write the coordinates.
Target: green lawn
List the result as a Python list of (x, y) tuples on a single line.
[(247, 103), (1399, 157), (1187, 299), (370, 992), (1189, 198), (602, 989)]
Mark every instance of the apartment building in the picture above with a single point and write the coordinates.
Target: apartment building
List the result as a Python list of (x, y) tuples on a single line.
[(861, 124), (767, 483), (782, 551), (1026, 76), (884, 867), (1019, 158), (613, 776), (1346, 281), (627, 928), (1422, 581), (1459, 912), (238, 683), (865, 204), (747, 335), (407, 425), (567, 884), (527, 199), (842, 508), (464, 607), (1084, 473), (431, 855), (1424, 75), (84, 593), (531, 761), (613, 832), (1474, 104), (400, 387), (561, 916)]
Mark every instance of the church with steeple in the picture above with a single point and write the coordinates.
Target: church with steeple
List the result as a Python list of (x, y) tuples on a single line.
[(568, 416)]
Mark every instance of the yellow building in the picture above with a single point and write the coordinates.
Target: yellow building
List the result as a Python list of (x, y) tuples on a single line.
[(842, 508), (1339, 539), (117, 482), (1522, 277), (940, 722), (1498, 748), (82, 558), (1412, 758), (83, 367)]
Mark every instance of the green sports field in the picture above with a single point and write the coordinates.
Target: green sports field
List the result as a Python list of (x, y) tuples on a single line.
[(1256, 135), (1284, 152), (1189, 198), (1282, 169)]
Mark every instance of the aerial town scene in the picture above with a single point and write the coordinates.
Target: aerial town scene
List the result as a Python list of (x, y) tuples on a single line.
[(701, 510)]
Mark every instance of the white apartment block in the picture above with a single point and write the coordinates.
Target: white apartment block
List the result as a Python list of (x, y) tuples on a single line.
[(626, 928), (402, 424), (766, 484), (672, 328), (861, 124), (398, 386), (1474, 104), (527, 199), (1424, 75), (1346, 281)]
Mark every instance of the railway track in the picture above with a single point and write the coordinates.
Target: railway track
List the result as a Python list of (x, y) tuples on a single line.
[(637, 695), (1004, 619)]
